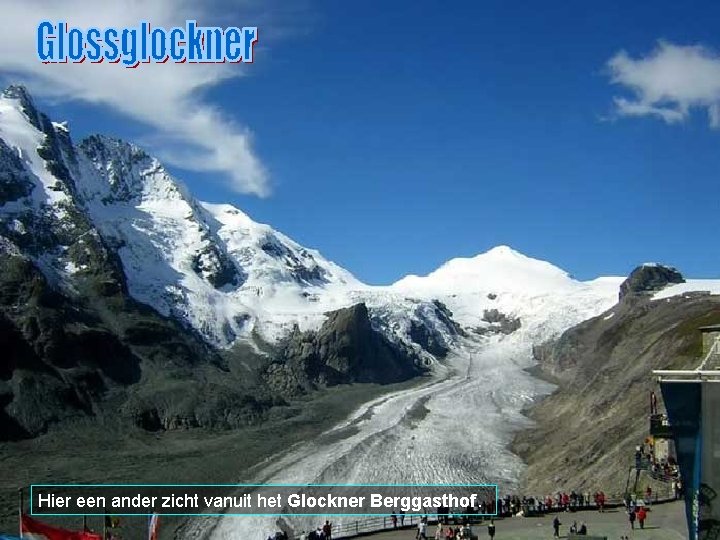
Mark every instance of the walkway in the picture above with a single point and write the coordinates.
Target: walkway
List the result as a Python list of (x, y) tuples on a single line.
[(665, 522)]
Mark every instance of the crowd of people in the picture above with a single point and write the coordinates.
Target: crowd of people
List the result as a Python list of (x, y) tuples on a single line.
[(456, 524), (560, 501), (320, 533), (446, 531), (574, 530), (665, 469), (459, 524)]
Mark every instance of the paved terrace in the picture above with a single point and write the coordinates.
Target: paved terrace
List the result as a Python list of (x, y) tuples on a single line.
[(664, 522)]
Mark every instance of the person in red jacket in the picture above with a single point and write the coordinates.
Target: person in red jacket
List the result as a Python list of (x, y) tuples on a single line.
[(641, 516)]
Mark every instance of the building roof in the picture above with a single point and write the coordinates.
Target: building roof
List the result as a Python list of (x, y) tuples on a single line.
[(710, 328)]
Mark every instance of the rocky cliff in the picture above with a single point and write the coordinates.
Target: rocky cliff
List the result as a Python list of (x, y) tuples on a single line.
[(346, 349), (648, 278), (586, 431)]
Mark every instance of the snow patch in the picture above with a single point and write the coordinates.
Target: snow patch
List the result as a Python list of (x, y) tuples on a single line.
[(710, 286)]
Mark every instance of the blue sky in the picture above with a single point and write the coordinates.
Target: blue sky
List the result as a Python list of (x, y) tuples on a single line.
[(397, 135)]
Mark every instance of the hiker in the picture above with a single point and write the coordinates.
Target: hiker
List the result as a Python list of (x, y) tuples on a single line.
[(449, 533), (583, 530), (393, 519), (573, 528), (439, 531), (556, 527), (631, 517), (641, 516), (402, 517), (327, 530), (648, 495), (491, 529)]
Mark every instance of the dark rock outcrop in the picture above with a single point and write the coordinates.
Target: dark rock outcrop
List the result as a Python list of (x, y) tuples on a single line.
[(421, 334), (504, 324), (302, 265), (499, 323), (101, 353), (346, 349), (649, 278), (425, 336)]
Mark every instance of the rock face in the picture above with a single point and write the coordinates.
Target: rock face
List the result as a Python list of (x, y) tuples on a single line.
[(649, 278), (346, 349), (503, 323), (75, 344), (586, 431), (80, 357), (432, 341)]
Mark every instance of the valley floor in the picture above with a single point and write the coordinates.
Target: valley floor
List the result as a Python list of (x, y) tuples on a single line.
[(94, 453)]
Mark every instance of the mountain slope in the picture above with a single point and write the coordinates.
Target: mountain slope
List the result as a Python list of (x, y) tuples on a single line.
[(586, 432), (209, 265), (121, 294)]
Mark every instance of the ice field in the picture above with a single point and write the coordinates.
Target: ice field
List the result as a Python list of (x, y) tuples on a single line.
[(454, 428)]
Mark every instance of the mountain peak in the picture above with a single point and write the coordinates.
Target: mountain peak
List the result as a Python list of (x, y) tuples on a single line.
[(502, 250), (18, 91), (501, 253), (25, 101), (649, 278), (500, 268)]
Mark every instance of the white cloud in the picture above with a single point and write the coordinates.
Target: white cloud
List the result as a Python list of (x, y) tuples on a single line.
[(185, 129), (669, 82)]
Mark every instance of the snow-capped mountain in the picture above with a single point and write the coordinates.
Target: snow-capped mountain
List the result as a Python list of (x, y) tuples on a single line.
[(208, 265), (229, 278), (214, 268), (504, 285)]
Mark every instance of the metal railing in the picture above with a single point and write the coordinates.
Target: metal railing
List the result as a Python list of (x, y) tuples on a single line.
[(376, 524), (372, 524)]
